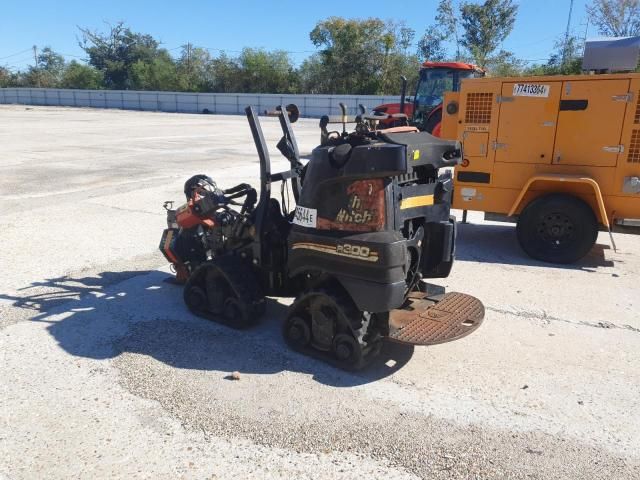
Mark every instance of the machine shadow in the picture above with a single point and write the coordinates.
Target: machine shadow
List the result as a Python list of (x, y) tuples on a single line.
[(498, 244), (118, 313)]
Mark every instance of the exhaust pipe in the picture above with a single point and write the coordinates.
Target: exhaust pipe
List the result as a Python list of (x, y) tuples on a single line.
[(343, 108), (292, 111), (403, 94)]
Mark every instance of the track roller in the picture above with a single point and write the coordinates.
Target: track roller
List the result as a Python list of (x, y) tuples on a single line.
[(297, 332), (347, 349), (325, 324), (226, 291)]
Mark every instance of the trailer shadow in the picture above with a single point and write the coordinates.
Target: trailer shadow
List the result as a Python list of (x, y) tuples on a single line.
[(118, 313), (498, 244)]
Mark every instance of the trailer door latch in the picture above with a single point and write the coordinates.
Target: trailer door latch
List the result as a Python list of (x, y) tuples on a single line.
[(614, 149), (498, 146), (627, 97)]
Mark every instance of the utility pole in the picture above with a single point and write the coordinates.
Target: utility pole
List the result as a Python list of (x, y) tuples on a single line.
[(586, 34), (188, 65), (35, 65), (566, 36)]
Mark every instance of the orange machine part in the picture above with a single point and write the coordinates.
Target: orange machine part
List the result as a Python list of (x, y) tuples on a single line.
[(453, 65), (187, 218)]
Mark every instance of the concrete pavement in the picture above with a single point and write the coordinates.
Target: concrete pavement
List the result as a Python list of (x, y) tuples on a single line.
[(104, 373)]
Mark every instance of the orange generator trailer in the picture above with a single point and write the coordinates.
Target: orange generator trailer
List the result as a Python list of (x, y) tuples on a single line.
[(559, 155)]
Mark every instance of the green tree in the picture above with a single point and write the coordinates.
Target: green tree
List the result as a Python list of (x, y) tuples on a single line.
[(405, 65), (7, 78), (226, 74), (615, 18), (565, 60), (357, 56), (78, 75), (352, 50), (51, 62), (314, 77), (195, 69), (505, 64), (116, 52), (266, 72), (48, 70), (447, 22), (159, 73), (430, 46), (400, 61), (485, 26), (406, 36)]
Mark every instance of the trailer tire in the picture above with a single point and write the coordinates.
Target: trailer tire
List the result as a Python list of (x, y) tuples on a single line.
[(557, 228)]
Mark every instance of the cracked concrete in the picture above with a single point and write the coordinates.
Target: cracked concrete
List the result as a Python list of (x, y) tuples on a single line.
[(545, 317)]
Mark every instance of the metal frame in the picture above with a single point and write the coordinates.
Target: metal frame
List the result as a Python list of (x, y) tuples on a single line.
[(265, 181), (266, 177)]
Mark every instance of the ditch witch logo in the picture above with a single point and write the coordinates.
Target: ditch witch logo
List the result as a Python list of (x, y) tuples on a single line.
[(353, 213), (360, 207)]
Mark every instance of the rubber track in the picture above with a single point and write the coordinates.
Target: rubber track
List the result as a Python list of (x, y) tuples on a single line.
[(240, 276), (243, 281), (349, 310)]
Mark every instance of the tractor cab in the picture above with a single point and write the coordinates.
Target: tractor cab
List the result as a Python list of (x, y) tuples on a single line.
[(436, 78)]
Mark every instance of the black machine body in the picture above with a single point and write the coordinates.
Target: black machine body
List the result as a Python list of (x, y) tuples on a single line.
[(355, 234)]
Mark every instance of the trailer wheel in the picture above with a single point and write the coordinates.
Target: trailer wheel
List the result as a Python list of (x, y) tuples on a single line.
[(557, 228)]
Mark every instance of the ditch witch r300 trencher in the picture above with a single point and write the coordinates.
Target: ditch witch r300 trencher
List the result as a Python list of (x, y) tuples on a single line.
[(372, 221)]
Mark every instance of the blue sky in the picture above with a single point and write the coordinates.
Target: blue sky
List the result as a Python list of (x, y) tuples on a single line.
[(230, 26)]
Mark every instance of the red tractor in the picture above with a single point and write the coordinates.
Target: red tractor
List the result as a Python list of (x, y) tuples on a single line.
[(425, 111)]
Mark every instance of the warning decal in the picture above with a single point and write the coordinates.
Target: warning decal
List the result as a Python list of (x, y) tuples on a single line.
[(531, 90)]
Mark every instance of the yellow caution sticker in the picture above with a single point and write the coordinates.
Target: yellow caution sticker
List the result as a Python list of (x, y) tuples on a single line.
[(419, 201)]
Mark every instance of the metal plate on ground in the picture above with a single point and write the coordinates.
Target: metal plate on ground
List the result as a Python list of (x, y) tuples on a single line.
[(432, 320)]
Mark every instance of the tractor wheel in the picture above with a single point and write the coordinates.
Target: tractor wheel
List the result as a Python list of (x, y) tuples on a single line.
[(433, 121), (557, 228)]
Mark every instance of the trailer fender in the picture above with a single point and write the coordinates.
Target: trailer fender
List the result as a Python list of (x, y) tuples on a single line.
[(565, 179)]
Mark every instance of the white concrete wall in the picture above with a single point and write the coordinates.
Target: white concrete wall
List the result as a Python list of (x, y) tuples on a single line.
[(226, 103)]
